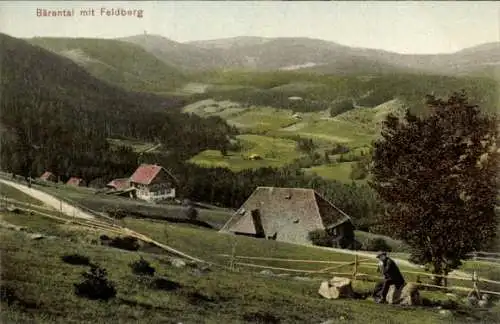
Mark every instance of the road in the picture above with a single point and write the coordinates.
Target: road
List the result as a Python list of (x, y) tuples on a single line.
[(50, 200)]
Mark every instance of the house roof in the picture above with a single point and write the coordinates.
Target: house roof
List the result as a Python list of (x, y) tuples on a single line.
[(74, 181), (291, 213), (46, 175), (146, 173), (119, 184)]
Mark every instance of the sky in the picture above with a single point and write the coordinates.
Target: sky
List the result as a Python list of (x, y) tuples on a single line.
[(405, 27)]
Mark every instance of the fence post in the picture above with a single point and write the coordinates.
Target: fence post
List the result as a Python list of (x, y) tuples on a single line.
[(233, 256), (475, 288), (355, 271)]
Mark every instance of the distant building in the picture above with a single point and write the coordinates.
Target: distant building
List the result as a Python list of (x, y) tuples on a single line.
[(297, 116), (48, 176), (77, 182), (153, 183), (289, 215), (119, 184), (255, 157)]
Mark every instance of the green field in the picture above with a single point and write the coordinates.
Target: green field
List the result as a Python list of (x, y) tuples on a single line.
[(272, 133), (274, 152), (337, 171)]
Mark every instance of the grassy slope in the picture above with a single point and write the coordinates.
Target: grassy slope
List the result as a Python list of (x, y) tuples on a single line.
[(120, 63), (231, 297), (215, 297)]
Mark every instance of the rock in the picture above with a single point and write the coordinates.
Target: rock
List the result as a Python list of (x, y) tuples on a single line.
[(485, 297), (408, 295), (336, 288), (445, 312), (483, 303), (330, 321), (266, 273), (178, 263), (36, 236)]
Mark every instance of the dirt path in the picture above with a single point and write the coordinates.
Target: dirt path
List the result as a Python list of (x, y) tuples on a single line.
[(50, 200)]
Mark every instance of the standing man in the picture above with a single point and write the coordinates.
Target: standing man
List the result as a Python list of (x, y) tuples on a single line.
[(392, 276)]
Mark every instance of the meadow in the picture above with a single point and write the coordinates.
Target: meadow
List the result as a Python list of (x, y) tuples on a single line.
[(43, 292)]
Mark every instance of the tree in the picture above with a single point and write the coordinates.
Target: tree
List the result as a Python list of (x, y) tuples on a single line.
[(438, 177)]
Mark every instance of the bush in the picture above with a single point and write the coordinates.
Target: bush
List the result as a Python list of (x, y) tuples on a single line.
[(164, 284), (190, 212), (95, 285), (378, 244), (128, 243), (321, 238), (142, 267), (76, 259)]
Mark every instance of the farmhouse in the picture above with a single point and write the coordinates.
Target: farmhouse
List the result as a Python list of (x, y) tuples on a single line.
[(289, 215), (74, 181), (153, 183), (48, 176)]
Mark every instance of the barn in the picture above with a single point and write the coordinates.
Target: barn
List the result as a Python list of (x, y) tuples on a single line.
[(289, 215), (48, 176), (77, 182), (153, 183), (119, 184)]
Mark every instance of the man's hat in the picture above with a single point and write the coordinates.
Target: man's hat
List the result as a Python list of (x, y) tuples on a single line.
[(380, 254)]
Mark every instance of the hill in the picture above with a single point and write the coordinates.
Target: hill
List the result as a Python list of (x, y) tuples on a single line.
[(184, 56), (120, 63), (311, 55), (56, 115)]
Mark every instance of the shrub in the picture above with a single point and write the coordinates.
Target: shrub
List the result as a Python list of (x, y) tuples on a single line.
[(378, 244), (128, 243), (164, 284), (76, 259), (321, 238), (190, 212), (7, 295), (95, 285), (142, 267)]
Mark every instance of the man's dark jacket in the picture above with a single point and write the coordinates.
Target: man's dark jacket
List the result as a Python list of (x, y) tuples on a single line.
[(391, 271)]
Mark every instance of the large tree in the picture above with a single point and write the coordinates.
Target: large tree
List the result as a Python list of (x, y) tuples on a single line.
[(438, 175)]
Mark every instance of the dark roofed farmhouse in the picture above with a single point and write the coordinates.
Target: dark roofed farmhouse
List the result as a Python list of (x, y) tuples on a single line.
[(289, 215)]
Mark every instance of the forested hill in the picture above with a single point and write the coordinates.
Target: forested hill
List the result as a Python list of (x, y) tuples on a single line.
[(124, 64), (55, 115)]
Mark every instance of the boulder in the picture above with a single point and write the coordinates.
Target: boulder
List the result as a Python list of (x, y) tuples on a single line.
[(408, 295), (178, 263), (336, 288)]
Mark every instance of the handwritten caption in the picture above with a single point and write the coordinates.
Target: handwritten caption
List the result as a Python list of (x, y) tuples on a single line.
[(90, 12)]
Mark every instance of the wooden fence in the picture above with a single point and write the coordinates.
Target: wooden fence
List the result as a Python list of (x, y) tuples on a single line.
[(489, 257), (357, 264)]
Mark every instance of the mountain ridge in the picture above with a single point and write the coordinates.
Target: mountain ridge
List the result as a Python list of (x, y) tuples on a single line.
[(267, 53)]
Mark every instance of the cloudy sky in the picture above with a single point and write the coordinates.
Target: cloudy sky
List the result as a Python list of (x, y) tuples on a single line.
[(404, 27)]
